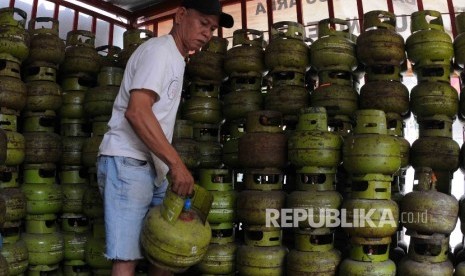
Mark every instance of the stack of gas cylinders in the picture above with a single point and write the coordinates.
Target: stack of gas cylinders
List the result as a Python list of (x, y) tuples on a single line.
[(201, 111), (287, 59), (382, 52), (221, 254), (371, 157), (201, 104), (333, 56), (263, 155), (316, 153), (242, 93), (13, 93), (43, 148), (261, 131), (434, 155)]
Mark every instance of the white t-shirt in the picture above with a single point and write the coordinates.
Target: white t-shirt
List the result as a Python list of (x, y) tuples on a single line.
[(156, 65)]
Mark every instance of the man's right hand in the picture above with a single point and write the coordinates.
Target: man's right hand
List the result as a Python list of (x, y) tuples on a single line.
[(182, 182)]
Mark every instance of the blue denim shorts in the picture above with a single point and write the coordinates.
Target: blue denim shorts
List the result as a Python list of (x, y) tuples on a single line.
[(128, 188)]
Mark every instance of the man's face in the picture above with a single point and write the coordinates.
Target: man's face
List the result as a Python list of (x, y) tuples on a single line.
[(197, 29)]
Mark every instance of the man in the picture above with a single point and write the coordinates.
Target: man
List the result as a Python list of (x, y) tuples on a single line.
[(136, 154)]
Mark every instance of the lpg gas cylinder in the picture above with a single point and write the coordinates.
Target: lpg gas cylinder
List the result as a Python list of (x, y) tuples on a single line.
[(16, 143), (287, 50), (432, 98), (42, 194), (95, 247), (14, 39), (75, 231), (184, 143), (71, 151), (261, 261), (318, 202), (311, 144), (15, 202), (334, 49), (207, 64), (80, 54), (202, 110), (206, 136), (287, 98), (109, 55), (267, 179), (428, 43), (13, 92), (223, 207), (336, 93), (219, 259), (245, 96), (43, 93), (438, 153), (176, 241), (350, 267), (462, 214), (246, 57), (91, 145), (92, 201), (15, 251), (380, 43), (388, 96), (432, 211), (395, 127), (409, 267), (429, 249), (98, 101), (264, 144), (370, 149), (46, 45), (252, 205), (132, 39), (44, 242), (72, 197), (42, 147), (232, 131), (384, 217)]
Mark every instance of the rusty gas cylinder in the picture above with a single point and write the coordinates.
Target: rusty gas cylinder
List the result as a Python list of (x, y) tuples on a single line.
[(264, 144)]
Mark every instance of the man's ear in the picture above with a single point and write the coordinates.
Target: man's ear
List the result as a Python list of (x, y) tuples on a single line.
[(180, 13)]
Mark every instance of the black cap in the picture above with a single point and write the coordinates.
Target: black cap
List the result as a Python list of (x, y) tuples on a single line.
[(210, 7)]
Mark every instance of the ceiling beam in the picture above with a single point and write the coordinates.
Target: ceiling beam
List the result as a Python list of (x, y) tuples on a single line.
[(159, 8), (106, 6), (156, 20), (167, 6), (89, 12), (132, 17)]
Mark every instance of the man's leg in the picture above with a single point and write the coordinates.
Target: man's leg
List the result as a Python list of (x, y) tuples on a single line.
[(127, 185), (123, 268)]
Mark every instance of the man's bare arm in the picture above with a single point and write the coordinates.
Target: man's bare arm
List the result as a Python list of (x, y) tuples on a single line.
[(144, 123)]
